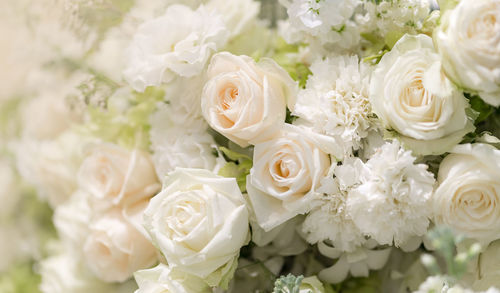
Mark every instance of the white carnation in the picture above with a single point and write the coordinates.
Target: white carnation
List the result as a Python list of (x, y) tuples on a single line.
[(392, 201), (335, 100), (330, 220), (158, 53)]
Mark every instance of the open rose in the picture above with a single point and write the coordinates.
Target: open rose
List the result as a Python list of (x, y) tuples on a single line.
[(113, 175), (468, 39), (468, 196), (286, 172), (199, 221), (246, 101), (411, 95), (115, 249)]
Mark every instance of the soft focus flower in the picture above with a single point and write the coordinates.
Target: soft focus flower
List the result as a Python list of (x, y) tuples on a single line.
[(410, 94), (327, 21), (468, 196), (158, 52), (335, 100), (63, 273), (246, 101), (286, 173), (114, 249), (358, 262), (199, 221), (165, 280), (468, 39), (311, 285), (392, 201), (51, 165), (114, 176), (237, 14)]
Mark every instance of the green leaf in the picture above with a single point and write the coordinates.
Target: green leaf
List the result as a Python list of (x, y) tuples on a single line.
[(239, 167), (478, 105)]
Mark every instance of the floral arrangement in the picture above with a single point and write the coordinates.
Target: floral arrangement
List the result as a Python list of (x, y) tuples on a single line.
[(292, 146)]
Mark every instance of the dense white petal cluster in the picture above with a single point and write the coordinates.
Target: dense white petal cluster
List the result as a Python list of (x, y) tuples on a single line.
[(335, 100), (392, 201)]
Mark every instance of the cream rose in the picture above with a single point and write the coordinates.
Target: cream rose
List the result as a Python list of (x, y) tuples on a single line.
[(163, 279), (199, 221), (115, 249), (286, 172), (468, 196), (468, 39), (411, 95), (246, 101), (113, 176)]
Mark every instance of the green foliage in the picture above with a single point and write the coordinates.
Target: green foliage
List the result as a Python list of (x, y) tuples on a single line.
[(445, 242), (127, 127), (288, 284), (238, 167), (286, 57), (20, 279), (289, 117), (478, 105)]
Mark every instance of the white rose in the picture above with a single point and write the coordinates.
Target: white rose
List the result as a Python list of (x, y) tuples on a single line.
[(410, 94), (246, 101), (158, 52), (115, 249), (468, 196), (286, 172), (487, 272), (199, 221), (165, 280), (113, 175), (468, 41)]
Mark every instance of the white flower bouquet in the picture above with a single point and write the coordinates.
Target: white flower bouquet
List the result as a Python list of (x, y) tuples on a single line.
[(291, 146)]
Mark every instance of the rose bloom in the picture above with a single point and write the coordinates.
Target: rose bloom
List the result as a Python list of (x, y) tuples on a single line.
[(468, 39), (199, 222), (468, 196), (113, 176), (246, 101), (165, 280), (411, 95), (115, 249), (286, 172)]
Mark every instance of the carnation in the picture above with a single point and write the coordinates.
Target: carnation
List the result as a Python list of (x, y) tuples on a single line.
[(392, 201), (330, 220), (335, 100)]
